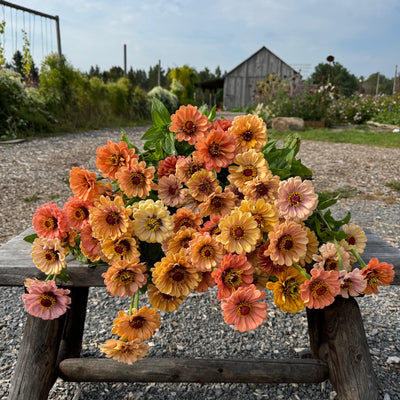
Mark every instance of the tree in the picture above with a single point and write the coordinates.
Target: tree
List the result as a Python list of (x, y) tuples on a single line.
[(95, 72), (113, 74), (385, 84), (186, 76), (138, 78), (345, 82), (153, 77)]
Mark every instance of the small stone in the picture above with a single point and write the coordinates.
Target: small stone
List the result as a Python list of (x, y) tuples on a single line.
[(249, 347), (393, 360), (332, 395)]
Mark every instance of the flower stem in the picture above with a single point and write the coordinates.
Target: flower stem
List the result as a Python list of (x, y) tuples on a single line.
[(324, 220), (359, 259), (50, 277), (134, 302), (301, 270), (341, 266)]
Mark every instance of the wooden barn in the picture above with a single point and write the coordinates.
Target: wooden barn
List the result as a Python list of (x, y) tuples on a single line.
[(240, 83)]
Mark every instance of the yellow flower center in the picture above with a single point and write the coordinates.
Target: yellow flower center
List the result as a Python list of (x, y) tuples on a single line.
[(152, 224), (50, 223), (137, 178), (117, 160), (207, 252), (290, 288), (232, 278), (347, 284), (244, 309), (351, 240), (373, 279), (214, 149), (238, 232), (319, 289), (126, 277), (193, 168), (81, 213), (247, 136), (331, 265), (50, 256), (137, 322), (259, 220), (294, 199), (189, 127), (249, 172), (187, 222), (47, 301), (286, 243), (112, 218)]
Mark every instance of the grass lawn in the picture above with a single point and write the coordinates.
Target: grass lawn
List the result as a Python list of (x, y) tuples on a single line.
[(355, 135)]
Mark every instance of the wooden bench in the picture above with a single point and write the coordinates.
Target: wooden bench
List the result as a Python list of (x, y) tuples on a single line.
[(52, 348)]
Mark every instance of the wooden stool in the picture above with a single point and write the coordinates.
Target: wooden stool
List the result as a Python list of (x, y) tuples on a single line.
[(52, 348)]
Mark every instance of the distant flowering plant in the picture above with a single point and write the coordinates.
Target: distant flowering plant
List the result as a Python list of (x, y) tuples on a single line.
[(208, 202)]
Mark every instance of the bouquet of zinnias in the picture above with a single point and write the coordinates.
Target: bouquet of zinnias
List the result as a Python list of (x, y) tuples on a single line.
[(208, 202)]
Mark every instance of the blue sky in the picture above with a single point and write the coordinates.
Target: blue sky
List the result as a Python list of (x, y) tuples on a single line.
[(363, 35)]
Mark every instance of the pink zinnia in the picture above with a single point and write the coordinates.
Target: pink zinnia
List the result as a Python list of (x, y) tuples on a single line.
[(77, 212), (351, 283), (321, 289), (167, 166), (50, 222), (170, 191), (244, 309), (224, 124), (45, 300), (296, 199)]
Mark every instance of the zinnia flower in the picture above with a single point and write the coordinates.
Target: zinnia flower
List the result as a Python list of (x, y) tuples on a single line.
[(77, 212), (170, 191), (377, 274), (264, 213), (223, 123), (152, 221), (167, 166), (82, 183), (218, 203), (288, 243), (89, 245), (205, 252), (189, 123), (328, 258), (174, 275), (217, 150), (202, 184), (186, 218), (124, 277), (249, 132), (296, 199), (136, 180), (112, 157), (141, 324), (262, 187), (162, 301), (321, 289), (239, 232), (45, 300), (206, 282), (265, 262), (244, 309), (109, 219), (287, 290), (212, 226), (50, 222), (186, 167), (180, 240), (355, 240), (48, 255), (249, 165), (123, 351), (234, 272), (352, 283), (312, 247), (121, 248)]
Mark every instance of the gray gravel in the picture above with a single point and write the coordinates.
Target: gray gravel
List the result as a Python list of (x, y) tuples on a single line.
[(38, 168)]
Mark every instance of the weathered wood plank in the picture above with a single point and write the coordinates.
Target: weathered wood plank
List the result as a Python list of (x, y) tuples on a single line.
[(194, 370), (337, 337), (35, 371)]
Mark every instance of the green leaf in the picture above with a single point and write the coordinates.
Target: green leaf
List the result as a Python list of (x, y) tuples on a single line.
[(159, 113), (31, 238), (168, 144), (213, 113), (153, 133), (63, 276), (299, 169)]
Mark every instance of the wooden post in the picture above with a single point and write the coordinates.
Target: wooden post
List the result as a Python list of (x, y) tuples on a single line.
[(377, 84), (337, 337), (35, 371), (124, 59)]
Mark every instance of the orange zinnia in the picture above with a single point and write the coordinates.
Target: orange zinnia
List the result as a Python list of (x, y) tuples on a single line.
[(167, 166), (377, 274), (77, 212), (82, 183), (186, 167), (186, 218), (112, 157), (121, 248), (262, 187), (162, 301), (189, 124), (50, 222), (123, 351), (202, 184), (218, 203), (180, 240)]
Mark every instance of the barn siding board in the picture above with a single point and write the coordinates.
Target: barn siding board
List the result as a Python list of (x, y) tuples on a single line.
[(240, 83)]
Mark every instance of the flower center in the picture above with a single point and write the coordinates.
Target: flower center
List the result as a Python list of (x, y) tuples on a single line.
[(247, 136), (262, 189), (216, 203), (185, 242), (172, 190), (294, 199), (50, 223), (291, 288), (112, 218), (244, 309), (249, 172), (238, 232), (193, 168), (204, 187), (351, 240), (126, 277), (81, 213), (286, 243), (178, 273), (189, 127), (215, 230), (137, 322), (137, 178), (207, 252), (117, 160), (122, 247), (47, 301), (259, 220), (372, 279), (331, 265), (347, 284), (232, 278), (188, 223), (50, 256), (214, 149), (152, 224), (319, 289)]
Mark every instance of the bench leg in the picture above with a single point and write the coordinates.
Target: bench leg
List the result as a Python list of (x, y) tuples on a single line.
[(35, 371), (337, 336)]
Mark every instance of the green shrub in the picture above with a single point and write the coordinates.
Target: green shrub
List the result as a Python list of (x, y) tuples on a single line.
[(170, 100)]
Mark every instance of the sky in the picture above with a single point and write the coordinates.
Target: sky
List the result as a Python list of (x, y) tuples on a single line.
[(362, 35)]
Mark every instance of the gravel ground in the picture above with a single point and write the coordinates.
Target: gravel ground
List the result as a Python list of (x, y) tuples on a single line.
[(35, 172)]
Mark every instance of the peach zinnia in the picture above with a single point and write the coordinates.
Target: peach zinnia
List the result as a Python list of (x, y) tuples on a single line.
[(89, 245), (217, 150), (296, 199), (249, 132), (50, 222), (218, 203), (234, 272), (264, 187), (141, 324), (205, 252), (189, 124), (288, 243), (244, 309), (77, 212), (170, 191), (355, 240), (123, 351), (186, 218), (124, 278), (265, 262), (186, 167), (212, 226), (112, 157), (328, 258), (377, 274), (162, 301), (109, 219), (121, 248), (136, 180), (202, 184), (82, 183), (45, 300), (180, 240), (48, 255), (321, 289), (239, 232)]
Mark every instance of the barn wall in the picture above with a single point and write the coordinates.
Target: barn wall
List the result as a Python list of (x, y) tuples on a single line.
[(240, 84)]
